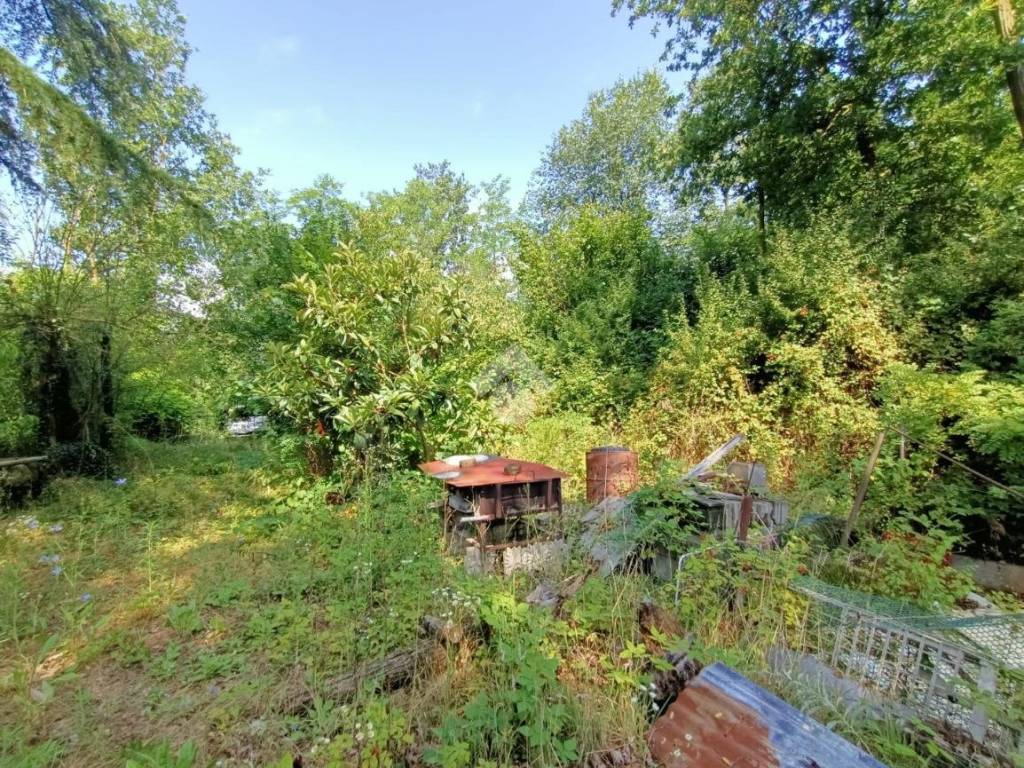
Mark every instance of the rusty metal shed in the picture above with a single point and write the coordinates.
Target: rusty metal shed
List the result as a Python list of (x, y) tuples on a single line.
[(495, 494), (723, 719)]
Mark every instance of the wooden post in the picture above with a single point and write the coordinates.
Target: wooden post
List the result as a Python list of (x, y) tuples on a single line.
[(746, 514), (862, 489)]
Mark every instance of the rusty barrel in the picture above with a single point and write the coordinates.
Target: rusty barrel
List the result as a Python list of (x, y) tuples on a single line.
[(611, 471)]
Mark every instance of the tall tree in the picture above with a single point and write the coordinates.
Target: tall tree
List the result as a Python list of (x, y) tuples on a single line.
[(596, 290), (114, 247), (887, 104), (610, 156)]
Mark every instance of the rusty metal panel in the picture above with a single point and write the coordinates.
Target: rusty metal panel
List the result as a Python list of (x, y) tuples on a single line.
[(491, 472), (722, 719)]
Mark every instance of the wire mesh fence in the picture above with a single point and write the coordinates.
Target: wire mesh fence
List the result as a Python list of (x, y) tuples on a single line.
[(964, 673)]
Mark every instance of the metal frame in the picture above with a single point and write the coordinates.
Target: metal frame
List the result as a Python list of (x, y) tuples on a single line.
[(931, 672)]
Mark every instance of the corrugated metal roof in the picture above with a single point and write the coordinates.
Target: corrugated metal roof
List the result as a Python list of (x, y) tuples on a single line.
[(491, 472), (723, 720)]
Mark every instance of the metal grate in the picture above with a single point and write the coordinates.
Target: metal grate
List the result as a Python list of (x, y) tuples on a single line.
[(999, 636), (963, 673)]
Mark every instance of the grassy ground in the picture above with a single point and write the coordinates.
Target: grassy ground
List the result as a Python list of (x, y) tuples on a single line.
[(204, 596), (196, 612)]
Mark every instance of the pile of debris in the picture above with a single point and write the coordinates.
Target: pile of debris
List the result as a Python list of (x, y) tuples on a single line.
[(733, 503)]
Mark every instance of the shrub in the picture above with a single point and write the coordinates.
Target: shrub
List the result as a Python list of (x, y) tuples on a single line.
[(384, 364), (524, 716), (789, 355), (17, 427), (596, 290), (904, 565), (155, 407)]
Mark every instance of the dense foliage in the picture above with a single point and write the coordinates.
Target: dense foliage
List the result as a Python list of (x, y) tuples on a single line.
[(814, 237), (384, 364), (820, 229)]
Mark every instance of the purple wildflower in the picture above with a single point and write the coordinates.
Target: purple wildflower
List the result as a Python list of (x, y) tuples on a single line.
[(31, 523), (86, 597), (120, 481), (49, 559), (56, 570), (56, 528)]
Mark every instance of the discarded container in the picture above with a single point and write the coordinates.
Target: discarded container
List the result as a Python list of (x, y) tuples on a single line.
[(492, 495), (611, 472)]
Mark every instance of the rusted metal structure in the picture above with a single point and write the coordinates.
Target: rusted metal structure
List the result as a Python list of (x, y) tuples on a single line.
[(611, 471), (485, 492), (723, 719)]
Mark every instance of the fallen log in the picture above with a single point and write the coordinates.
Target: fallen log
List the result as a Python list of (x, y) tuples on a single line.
[(547, 595), (391, 672), (22, 460)]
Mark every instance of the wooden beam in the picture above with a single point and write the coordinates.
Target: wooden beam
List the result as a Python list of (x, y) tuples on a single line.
[(23, 460), (862, 489)]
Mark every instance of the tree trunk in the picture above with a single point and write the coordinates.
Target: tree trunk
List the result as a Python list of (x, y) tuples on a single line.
[(1006, 23), (48, 385), (762, 236), (106, 395)]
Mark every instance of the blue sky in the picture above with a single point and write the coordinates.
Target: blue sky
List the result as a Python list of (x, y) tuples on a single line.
[(363, 90)]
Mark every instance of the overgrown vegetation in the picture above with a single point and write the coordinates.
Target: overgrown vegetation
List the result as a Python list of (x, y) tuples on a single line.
[(817, 239)]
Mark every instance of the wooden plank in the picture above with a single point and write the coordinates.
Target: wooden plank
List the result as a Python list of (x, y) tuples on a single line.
[(862, 489), (23, 460), (392, 671), (714, 457), (512, 544), (468, 520)]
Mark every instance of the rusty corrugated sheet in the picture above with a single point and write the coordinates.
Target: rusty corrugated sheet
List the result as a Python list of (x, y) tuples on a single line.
[(723, 720), (492, 472)]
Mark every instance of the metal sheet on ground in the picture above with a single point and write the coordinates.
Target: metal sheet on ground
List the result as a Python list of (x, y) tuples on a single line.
[(723, 719)]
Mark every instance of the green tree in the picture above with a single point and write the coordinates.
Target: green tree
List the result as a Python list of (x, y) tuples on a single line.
[(383, 367), (889, 106), (596, 291), (612, 156), (115, 255)]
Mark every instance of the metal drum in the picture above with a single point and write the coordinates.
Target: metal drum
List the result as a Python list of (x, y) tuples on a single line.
[(611, 471)]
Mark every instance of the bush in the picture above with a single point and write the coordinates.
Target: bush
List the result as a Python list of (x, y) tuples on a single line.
[(79, 458), (17, 427), (596, 290), (155, 407), (383, 368), (791, 356)]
